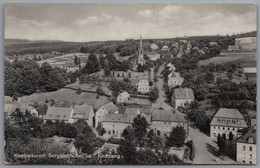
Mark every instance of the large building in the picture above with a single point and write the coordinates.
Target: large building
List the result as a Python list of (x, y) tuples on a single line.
[(225, 121), (105, 109), (246, 43), (114, 124), (175, 79), (140, 59), (153, 55), (59, 114), (247, 149), (182, 97), (143, 86), (84, 112), (165, 121)]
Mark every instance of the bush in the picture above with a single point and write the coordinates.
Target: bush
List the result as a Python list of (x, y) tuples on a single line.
[(114, 140), (190, 144)]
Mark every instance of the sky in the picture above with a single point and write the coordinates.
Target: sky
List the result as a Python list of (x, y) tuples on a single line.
[(102, 22)]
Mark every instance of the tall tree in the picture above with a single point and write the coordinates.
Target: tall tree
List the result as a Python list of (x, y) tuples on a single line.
[(177, 137)]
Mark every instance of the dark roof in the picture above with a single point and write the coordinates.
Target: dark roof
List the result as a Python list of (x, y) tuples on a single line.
[(244, 138), (82, 111), (58, 113), (228, 117), (183, 93), (167, 116), (119, 118), (110, 107)]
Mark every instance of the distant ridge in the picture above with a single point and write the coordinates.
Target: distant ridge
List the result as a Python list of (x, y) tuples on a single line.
[(23, 41)]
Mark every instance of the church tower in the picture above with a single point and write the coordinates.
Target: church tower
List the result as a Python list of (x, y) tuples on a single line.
[(140, 53)]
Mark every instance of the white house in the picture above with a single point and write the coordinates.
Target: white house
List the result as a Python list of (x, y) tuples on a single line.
[(175, 79), (105, 109), (143, 86), (182, 97), (165, 48), (247, 149), (59, 114), (123, 97), (225, 121), (84, 112)]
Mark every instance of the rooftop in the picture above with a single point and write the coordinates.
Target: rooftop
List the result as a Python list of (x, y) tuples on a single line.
[(167, 116), (183, 93), (82, 111), (58, 113), (245, 138)]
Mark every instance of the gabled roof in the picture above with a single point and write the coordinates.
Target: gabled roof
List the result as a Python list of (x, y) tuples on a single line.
[(244, 138), (132, 111), (183, 93), (119, 118), (228, 117), (110, 107), (58, 113), (167, 116), (82, 111), (229, 113)]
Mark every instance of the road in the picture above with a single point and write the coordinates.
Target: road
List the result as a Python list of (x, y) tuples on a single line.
[(206, 149), (160, 102)]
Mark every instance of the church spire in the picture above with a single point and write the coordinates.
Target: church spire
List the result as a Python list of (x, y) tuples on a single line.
[(141, 44)]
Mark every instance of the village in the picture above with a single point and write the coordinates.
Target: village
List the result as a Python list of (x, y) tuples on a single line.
[(153, 90)]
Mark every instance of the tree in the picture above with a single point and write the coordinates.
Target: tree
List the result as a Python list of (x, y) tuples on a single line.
[(230, 137), (127, 150), (154, 94), (220, 143), (76, 60), (92, 65), (100, 91), (102, 61), (140, 126), (177, 137), (107, 69), (79, 91), (224, 136)]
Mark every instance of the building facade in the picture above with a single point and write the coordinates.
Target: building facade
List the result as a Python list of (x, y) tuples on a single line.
[(143, 86), (227, 121), (182, 97), (175, 79), (247, 149), (165, 121), (123, 98), (59, 114), (105, 109), (84, 112)]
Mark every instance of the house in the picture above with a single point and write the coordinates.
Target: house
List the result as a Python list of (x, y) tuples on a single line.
[(143, 86), (233, 48), (9, 108), (164, 121), (165, 48), (105, 109), (246, 149), (250, 72), (175, 79), (153, 55), (171, 67), (153, 46), (84, 112), (182, 97), (225, 121), (246, 43), (59, 114), (212, 43), (123, 98), (114, 124), (142, 111)]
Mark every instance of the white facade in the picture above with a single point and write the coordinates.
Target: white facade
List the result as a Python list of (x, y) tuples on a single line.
[(123, 98), (174, 81), (246, 153), (114, 128), (143, 86), (166, 127), (220, 130)]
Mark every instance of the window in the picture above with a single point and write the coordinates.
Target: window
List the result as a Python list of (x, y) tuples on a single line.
[(223, 128), (243, 161), (233, 129), (250, 162), (228, 128), (219, 128), (250, 140), (250, 148), (244, 148), (251, 156)]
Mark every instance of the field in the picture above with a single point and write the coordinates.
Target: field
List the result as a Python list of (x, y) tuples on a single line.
[(246, 59), (70, 97)]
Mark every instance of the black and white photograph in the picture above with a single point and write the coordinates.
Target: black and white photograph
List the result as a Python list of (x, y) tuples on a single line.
[(130, 84)]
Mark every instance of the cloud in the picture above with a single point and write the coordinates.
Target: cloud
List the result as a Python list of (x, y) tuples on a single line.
[(147, 13), (162, 22)]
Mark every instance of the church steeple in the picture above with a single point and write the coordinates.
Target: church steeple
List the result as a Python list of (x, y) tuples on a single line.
[(140, 53), (141, 43)]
